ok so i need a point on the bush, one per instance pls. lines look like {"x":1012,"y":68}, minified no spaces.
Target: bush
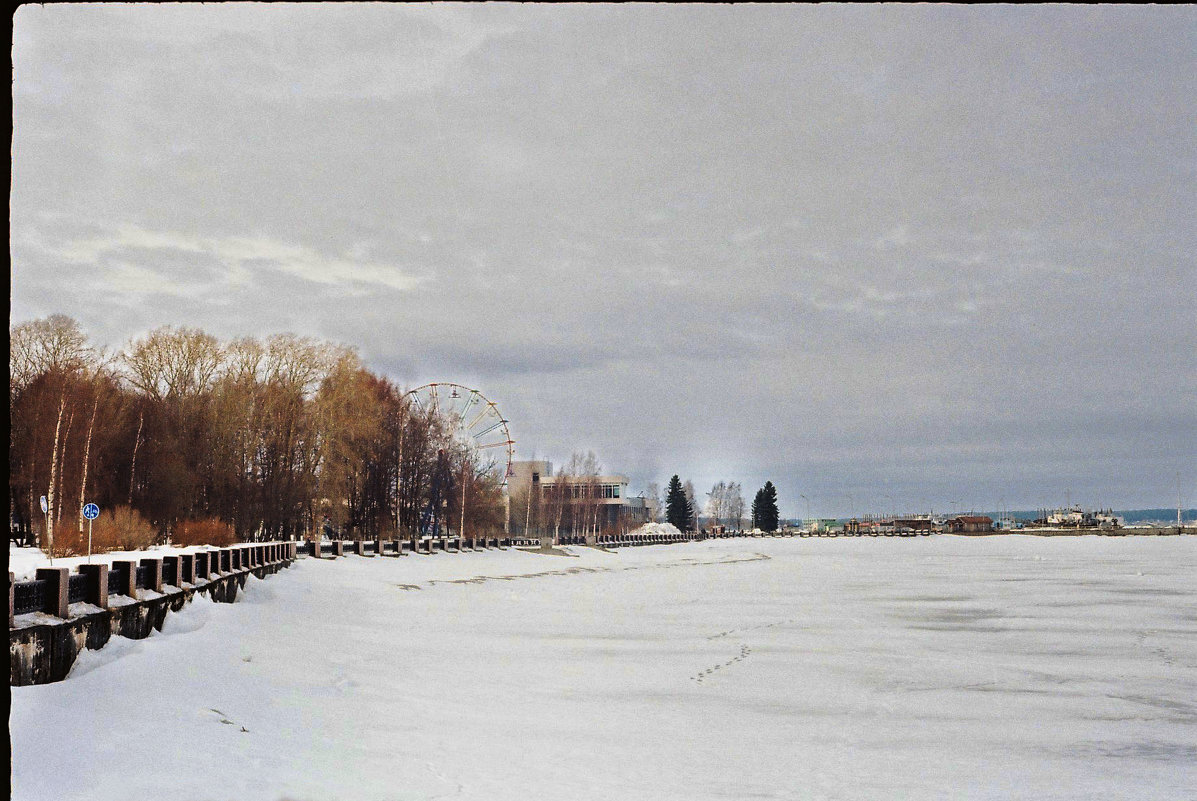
{"x":121,"y":529}
{"x":209,"y":531}
{"x":67,"y":540}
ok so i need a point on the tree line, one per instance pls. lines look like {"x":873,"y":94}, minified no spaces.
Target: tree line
{"x":269,"y":438}
{"x":724,"y":506}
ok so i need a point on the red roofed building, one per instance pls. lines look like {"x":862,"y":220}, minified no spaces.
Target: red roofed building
{"x":970,"y":524}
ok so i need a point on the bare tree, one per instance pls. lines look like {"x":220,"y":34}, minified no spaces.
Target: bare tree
{"x":53,"y":344}
{"x":735,"y":505}
{"x":50,"y":498}
{"x":653,"y":495}
{"x":717,"y":503}
{"x":172,"y":362}
{"x":86,"y":457}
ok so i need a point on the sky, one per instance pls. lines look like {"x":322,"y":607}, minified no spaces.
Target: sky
{"x":892,"y":258}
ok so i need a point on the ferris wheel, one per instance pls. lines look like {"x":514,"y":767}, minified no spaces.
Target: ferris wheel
{"x":474,"y":422}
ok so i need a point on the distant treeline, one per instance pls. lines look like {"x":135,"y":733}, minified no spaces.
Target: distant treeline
{"x":273,"y":438}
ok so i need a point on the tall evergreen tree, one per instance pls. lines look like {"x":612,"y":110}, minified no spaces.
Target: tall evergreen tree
{"x":677,"y":508}
{"x":769,"y":513}
{"x":765,"y":515}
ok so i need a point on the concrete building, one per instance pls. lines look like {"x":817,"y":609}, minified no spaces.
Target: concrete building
{"x":537,"y":493}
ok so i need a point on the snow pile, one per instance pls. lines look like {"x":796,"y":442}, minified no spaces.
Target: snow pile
{"x":861,"y":668}
{"x":657,"y":529}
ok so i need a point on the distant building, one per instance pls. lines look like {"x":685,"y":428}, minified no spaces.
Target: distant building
{"x":533,"y":482}
{"x":970,"y":524}
{"x":820,"y":524}
{"x":914,"y":524}
{"x":868,"y":526}
{"x":1076,"y":518}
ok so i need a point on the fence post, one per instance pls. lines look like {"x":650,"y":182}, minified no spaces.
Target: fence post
{"x":97,"y":584}
{"x":12,"y":600}
{"x":128,"y":577}
{"x":172,"y":573}
{"x":56,"y":579}
{"x":338,"y":548}
{"x":155,"y":566}
{"x":187,"y":564}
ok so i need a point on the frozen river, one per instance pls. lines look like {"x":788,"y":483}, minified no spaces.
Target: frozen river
{"x":928,"y":668}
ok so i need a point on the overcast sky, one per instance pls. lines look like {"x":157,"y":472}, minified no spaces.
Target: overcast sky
{"x":890,"y":257}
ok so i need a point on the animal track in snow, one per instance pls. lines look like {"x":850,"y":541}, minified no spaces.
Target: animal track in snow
{"x":744,"y":652}
{"x":750,"y":628}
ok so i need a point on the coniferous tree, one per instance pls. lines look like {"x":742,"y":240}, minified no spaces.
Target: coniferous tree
{"x":765,"y":515}
{"x":677,"y":508}
{"x":769,"y":513}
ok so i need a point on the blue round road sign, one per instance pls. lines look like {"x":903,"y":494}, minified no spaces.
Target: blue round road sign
{"x":91,"y":511}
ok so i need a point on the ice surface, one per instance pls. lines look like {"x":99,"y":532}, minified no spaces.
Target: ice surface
{"x":915,"y":668}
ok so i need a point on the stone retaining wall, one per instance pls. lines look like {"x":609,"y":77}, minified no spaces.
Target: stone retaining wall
{"x":43,"y":644}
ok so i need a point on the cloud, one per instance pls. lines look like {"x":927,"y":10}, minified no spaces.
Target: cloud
{"x":762,"y":237}
{"x":132,"y":261}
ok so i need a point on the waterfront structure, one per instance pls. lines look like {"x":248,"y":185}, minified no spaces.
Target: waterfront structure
{"x":604,"y":498}
{"x":919,"y":523}
{"x":1075,"y":517}
{"x":970,"y":524}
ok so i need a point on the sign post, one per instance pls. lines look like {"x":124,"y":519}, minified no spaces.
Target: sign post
{"x":49,"y":534}
{"x":91,"y":512}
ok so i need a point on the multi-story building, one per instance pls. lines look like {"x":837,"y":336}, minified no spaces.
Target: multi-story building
{"x":558,"y":501}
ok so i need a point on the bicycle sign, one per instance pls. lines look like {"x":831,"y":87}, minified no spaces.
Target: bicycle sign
{"x":91,"y":512}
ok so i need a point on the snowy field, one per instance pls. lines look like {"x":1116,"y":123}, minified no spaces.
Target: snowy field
{"x":928,"y":668}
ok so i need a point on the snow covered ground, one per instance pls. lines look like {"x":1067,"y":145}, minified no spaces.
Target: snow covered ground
{"x":927,"y":668}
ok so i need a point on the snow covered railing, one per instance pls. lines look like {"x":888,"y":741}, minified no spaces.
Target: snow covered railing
{"x":655,"y":534}
{"x":57,"y":614}
{"x":402,"y":547}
